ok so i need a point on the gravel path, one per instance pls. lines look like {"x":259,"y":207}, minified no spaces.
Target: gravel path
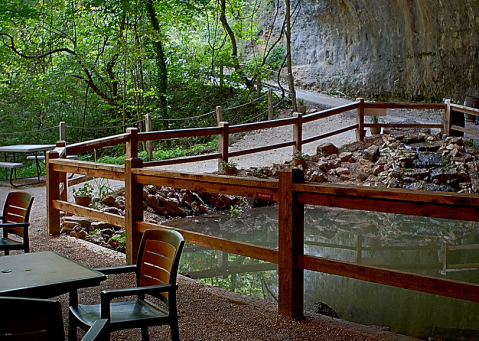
{"x":207,"y":313}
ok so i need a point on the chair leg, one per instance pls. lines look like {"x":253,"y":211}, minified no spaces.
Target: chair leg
{"x":175,"y":333}
{"x":72,"y":327}
{"x":144,"y":334}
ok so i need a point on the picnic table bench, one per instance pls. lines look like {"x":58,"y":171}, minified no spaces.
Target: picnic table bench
{"x":12,"y":166}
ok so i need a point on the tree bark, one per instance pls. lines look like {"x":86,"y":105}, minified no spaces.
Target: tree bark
{"x":288,"y":47}
{"x":162,"y":77}
{"x":234,"y":47}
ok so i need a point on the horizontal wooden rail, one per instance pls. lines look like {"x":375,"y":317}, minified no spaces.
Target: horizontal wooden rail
{"x":261,"y":149}
{"x":109,"y":218}
{"x":261,"y":125}
{"x":330,"y":112}
{"x":259,"y":189}
{"x":98,"y":170}
{"x":178,"y":133}
{"x":217,"y":243}
{"x":398,"y":279}
{"x":409,"y":202}
{"x":464,"y":109}
{"x":404,"y":125}
{"x":186,"y":159}
{"x":464,"y":130}
{"x":323,"y":136}
{"x":103,"y":142}
{"x":399,"y":194}
{"x":392,"y":105}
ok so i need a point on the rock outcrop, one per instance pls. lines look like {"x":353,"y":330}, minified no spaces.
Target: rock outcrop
{"x":415,"y":50}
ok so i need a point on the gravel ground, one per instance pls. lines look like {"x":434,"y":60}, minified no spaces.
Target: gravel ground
{"x":207,"y":313}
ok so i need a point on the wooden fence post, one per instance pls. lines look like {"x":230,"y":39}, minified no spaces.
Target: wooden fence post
{"x":447,"y":118}
{"x":298,"y":131}
{"x":133,"y":209}
{"x":291,"y":245}
{"x":132,"y":144}
{"x":62,"y":176}
{"x":62,"y":132}
{"x":149,"y":145}
{"x":223,"y":141}
{"x":270,"y":105}
{"x":53,"y":193}
{"x":219,"y":115}
{"x":360,"y":133}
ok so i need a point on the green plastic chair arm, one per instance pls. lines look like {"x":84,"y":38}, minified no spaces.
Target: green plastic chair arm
{"x":117,"y":269}
{"x":98,"y":332}
{"x":108,"y":295}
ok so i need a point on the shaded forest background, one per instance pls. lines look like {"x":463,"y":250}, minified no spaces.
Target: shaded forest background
{"x":100,"y":66}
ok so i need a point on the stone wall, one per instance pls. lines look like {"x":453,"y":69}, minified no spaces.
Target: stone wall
{"x":414,"y":50}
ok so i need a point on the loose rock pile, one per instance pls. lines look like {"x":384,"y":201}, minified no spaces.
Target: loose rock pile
{"x":416,"y":160}
{"x":160,"y":204}
{"x":394,"y":160}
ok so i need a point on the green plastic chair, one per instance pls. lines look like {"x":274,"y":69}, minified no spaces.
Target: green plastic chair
{"x":156,"y":271}
{"x":30,"y":319}
{"x":16,"y":221}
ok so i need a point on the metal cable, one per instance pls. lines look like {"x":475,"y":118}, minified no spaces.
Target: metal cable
{"x":111,"y":127}
{"x":28,"y":132}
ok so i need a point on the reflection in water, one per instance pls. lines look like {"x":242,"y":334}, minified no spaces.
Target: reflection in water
{"x":432,"y":247}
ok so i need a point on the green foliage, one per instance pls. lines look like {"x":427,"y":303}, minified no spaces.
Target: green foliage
{"x":228,"y":165}
{"x":300,"y":155}
{"x":120,"y":239}
{"x":97,"y":67}
{"x":374,"y":120}
{"x":276,"y":58}
{"x":103,"y":186}
{"x":471,"y":143}
{"x":85,"y":190}
{"x":235,"y":210}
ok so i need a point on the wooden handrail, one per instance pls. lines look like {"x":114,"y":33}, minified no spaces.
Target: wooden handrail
{"x":422,"y":283}
{"x":243,"y":249}
{"x":261,"y":149}
{"x":392,"y":105}
{"x":466,"y":110}
{"x":103,"y":142}
{"x":186,"y":159}
{"x":178,"y":133}
{"x":241,"y":128}
{"x":330,"y":112}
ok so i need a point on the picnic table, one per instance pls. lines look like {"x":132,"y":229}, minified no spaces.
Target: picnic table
{"x":11,"y":162}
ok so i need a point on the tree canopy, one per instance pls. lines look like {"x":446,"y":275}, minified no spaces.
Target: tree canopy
{"x":100,"y":66}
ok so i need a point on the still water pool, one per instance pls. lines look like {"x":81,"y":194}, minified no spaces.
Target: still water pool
{"x":433,"y":247}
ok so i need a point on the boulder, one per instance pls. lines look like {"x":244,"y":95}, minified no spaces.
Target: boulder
{"x":327,"y":149}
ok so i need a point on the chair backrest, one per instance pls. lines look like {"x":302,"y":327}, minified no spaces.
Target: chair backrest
{"x":30,"y":319}
{"x":17,"y":210}
{"x":159,"y":257}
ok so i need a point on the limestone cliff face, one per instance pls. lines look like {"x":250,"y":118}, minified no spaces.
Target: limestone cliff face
{"x":411,"y":49}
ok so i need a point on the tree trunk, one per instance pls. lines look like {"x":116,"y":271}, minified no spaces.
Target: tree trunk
{"x":288,"y":47}
{"x":162,"y":76}
{"x":234,"y":47}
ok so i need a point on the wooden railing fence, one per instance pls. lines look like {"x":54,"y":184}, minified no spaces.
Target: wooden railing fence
{"x":291,"y":192}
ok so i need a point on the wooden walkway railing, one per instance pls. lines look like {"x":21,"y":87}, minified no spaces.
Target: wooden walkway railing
{"x":290,"y":191}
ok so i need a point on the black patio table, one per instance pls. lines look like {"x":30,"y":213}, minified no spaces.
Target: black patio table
{"x":45,"y":274}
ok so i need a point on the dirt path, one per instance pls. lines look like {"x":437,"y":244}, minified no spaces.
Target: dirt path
{"x":266,"y":137}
